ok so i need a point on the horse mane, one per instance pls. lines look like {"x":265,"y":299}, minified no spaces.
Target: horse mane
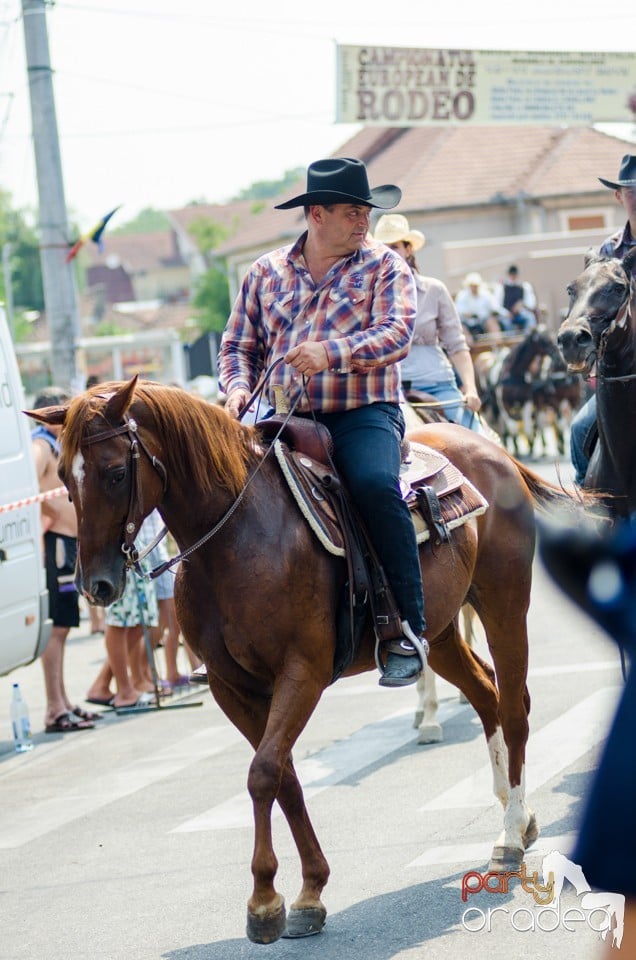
{"x":198,"y":442}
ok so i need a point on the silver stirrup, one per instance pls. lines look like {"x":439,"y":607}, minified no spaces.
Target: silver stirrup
{"x":421,"y":645}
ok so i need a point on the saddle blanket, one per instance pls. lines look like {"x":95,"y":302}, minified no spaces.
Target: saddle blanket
{"x":459,"y":499}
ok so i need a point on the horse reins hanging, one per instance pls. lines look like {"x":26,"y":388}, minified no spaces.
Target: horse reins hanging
{"x":135,"y":515}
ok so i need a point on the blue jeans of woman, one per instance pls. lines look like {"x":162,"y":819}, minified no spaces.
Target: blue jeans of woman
{"x":366,"y":443}
{"x":448,"y":393}
{"x":580,"y":427}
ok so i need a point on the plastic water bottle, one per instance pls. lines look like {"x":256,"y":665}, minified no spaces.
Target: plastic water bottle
{"x":20,"y":722}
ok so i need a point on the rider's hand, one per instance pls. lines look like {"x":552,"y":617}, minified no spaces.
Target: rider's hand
{"x":235,"y":402}
{"x":473,"y":401}
{"x":308,"y":357}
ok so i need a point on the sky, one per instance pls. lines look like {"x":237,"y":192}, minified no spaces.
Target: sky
{"x":163,"y":103}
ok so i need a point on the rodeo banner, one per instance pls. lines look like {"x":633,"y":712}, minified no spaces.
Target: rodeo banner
{"x":404,"y":86}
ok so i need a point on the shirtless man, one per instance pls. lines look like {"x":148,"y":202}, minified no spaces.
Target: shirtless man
{"x":59,"y":524}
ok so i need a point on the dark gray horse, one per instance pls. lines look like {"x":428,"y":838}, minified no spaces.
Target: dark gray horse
{"x":599,"y":334}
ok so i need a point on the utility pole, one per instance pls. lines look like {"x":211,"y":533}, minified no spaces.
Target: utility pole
{"x":60,"y":293}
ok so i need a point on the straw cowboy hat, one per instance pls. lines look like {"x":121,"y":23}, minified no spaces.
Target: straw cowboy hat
{"x":394,"y":227}
{"x":342,"y":180}
{"x":626,"y":174}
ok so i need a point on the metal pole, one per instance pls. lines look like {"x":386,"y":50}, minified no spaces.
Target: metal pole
{"x":60,"y":294}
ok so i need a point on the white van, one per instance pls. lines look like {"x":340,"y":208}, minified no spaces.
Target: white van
{"x":25,"y":626}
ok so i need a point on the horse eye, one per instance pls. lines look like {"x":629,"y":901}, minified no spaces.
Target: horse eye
{"x":569,"y":290}
{"x":117,"y":476}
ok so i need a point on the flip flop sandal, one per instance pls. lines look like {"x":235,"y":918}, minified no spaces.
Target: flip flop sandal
{"x":86,"y":714}
{"x":100,"y":701}
{"x":68,"y":723}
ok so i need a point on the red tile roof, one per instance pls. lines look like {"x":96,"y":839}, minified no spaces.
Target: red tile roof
{"x":137,"y":251}
{"x":458,"y":167}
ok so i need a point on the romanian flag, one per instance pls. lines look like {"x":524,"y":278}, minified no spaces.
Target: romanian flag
{"x":95,"y":235}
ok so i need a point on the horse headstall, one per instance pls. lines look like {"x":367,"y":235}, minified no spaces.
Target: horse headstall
{"x":135,"y":515}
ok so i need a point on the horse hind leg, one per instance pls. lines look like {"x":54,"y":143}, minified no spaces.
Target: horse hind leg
{"x":425,"y":720}
{"x":508,"y":643}
{"x":505,"y":737}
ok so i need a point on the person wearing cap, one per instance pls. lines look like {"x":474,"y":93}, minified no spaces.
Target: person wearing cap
{"x":477,"y":308}
{"x":439,"y":342}
{"x":617,"y":245}
{"x":340,"y":309}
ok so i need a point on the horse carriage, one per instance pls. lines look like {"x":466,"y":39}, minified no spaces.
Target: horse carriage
{"x":528,"y":395}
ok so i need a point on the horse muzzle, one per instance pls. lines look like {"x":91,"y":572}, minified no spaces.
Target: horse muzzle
{"x":576,"y":343}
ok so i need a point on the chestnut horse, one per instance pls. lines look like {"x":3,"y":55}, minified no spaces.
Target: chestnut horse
{"x":600,"y":331}
{"x":258,"y":595}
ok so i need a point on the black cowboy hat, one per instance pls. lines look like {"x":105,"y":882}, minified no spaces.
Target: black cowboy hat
{"x":626,"y":174}
{"x":342,"y":180}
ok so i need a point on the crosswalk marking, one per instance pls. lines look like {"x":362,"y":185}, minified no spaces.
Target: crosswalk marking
{"x":473,"y":854}
{"x":34,"y":820}
{"x":550,"y":750}
{"x":324,"y":769}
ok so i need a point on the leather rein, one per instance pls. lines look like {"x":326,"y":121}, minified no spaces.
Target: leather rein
{"x":136,"y":514}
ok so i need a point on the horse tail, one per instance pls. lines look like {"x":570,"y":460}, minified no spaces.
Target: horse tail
{"x":546,"y":494}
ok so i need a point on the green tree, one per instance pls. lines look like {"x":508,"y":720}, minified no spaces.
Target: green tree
{"x":147,"y":220}
{"x":20,"y":238}
{"x":212,"y":298}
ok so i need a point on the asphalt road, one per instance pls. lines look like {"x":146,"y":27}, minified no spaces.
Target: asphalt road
{"x":133,"y":841}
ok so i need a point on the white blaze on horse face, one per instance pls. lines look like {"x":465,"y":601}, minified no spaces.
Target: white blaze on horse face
{"x":77,"y":469}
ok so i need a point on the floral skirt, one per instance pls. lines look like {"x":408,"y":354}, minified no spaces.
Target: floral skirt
{"x":137,"y":605}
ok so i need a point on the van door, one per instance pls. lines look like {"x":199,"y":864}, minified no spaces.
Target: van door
{"x":24,"y":623}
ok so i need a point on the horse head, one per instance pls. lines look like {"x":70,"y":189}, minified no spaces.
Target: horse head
{"x":106,"y":476}
{"x":599,"y":305}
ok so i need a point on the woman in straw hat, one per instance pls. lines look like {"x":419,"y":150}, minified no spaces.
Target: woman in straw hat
{"x":439,"y":342}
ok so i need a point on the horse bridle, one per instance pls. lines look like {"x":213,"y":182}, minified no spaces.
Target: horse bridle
{"x":135,"y":515}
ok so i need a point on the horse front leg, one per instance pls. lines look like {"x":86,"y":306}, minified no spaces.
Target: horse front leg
{"x":272,"y":776}
{"x":272,"y":726}
{"x":307,"y":913}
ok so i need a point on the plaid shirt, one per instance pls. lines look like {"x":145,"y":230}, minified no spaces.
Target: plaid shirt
{"x":363,"y":310}
{"x":619,"y":244}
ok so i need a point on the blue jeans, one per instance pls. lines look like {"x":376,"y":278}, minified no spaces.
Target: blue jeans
{"x":367,"y":454}
{"x":580,"y":427}
{"x":447,"y":391}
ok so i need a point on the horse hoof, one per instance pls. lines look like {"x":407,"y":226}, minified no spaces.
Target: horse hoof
{"x":531,"y":833}
{"x":268,"y":924}
{"x":417,"y":719}
{"x":305,"y":922}
{"x":505,"y":859}
{"x":431,"y":733}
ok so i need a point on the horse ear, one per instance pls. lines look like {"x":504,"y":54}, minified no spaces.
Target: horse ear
{"x":54,"y":416}
{"x":120,"y":401}
{"x":590,"y":256}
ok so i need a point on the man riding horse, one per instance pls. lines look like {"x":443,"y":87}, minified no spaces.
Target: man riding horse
{"x":339,"y":308}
